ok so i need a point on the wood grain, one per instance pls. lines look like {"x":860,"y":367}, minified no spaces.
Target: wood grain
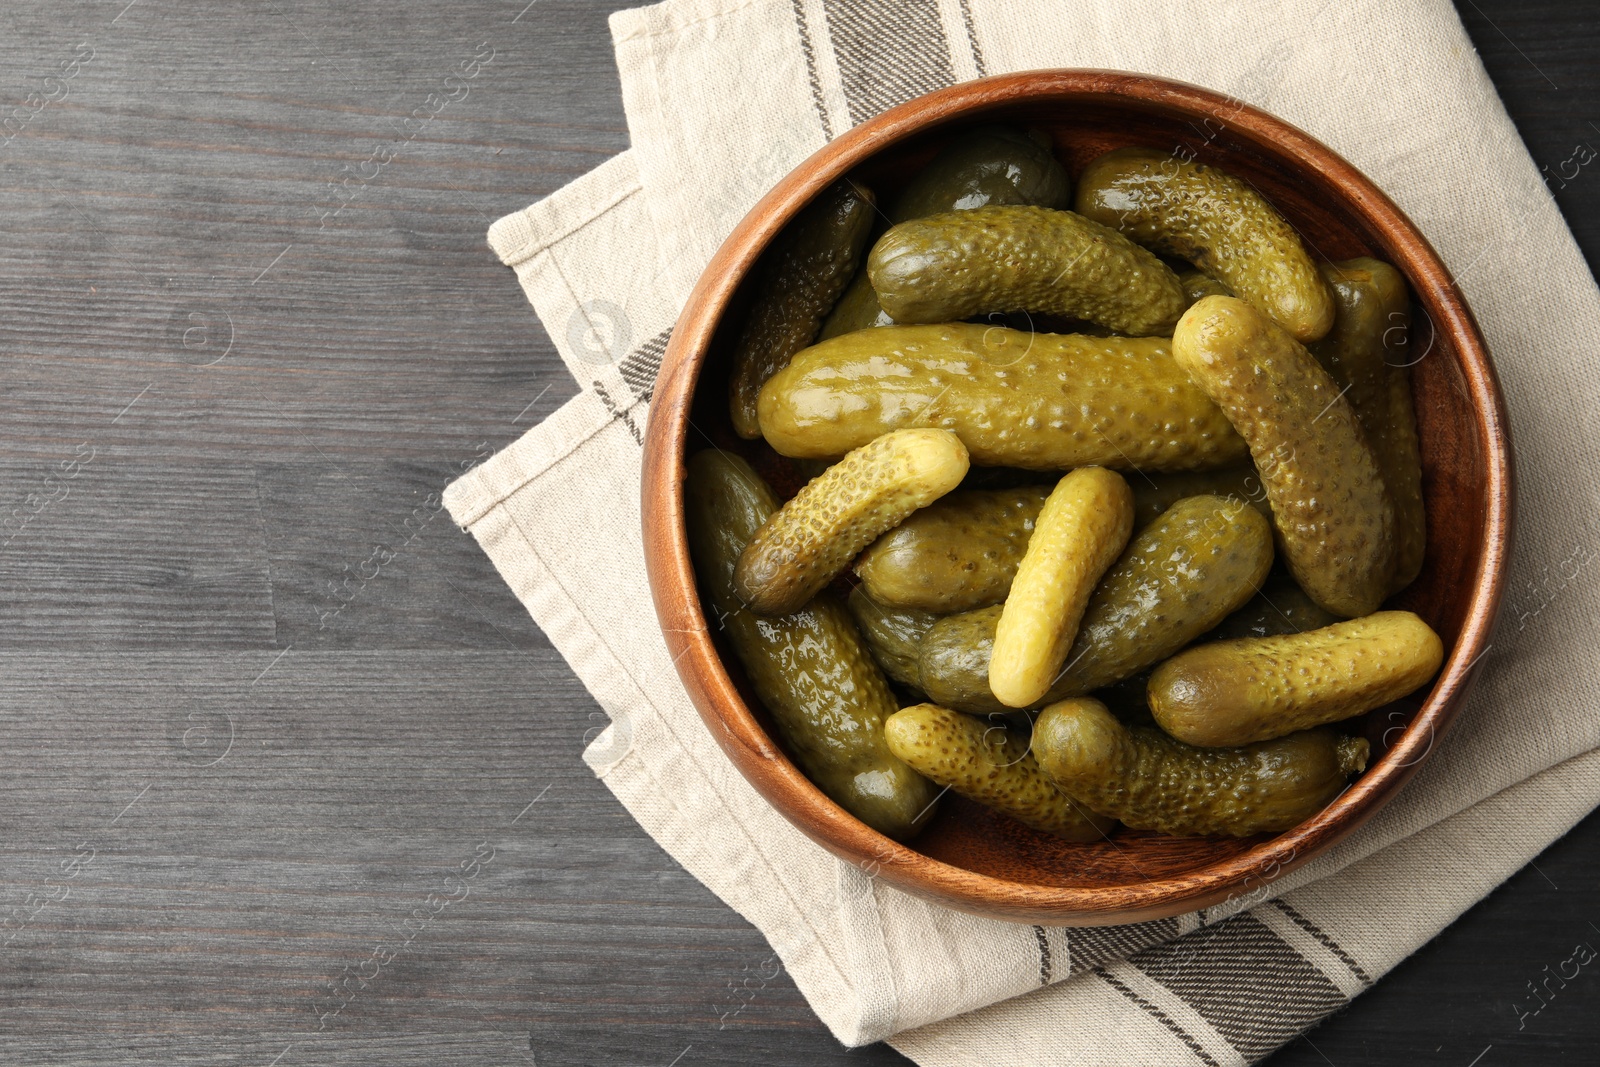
{"x":138,"y":218}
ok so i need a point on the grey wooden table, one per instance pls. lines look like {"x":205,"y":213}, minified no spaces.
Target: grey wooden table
{"x":270,"y":720}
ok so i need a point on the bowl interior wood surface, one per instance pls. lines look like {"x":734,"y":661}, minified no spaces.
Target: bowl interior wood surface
{"x":970,"y":857}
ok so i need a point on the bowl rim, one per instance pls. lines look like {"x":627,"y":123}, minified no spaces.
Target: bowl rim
{"x":760,"y":760}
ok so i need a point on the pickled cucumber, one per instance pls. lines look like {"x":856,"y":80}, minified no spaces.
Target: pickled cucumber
{"x":892,"y":634}
{"x":1153,"y":782}
{"x":959,"y":264}
{"x":1082,"y":529}
{"x":813,"y":537}
{"x":991,"y":764}
{"x":1281,"y":607}
{"x":1179,"y":577}
{"x":1155,"y":493}
{"x":1197,"y":285}
{"x":1215,"y":221}
{"x":986,"y":167}
{"x":801,"y":276}
{"x":1039,"y":401}
{"x":956,"y":554}
{"x":857,"y":309}
{"x":1365,"y":354}
{"x":1253,"y":689}
{"x":811,"y":670}
{"x":1334,"y":520}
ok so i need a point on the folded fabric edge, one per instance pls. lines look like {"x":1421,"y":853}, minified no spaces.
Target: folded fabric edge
{"x":523,"y":234}
{"x":1377,"y":886}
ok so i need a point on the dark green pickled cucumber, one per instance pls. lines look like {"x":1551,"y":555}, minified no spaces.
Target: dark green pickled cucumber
{"x":893,"y":634}
{"x":1152,"y":782}
{"x":1366,"y":354}
{"x":1018,"y":258}
{"x":1197,"y":285}
{"x":1334,"y":521}
{"x":857,"y":309}
{"x":1154,"y":493}
{"x":811,"y":669}
{"x":801,"y":277}
{"x":1253,"y":689}
{"x":990,"y":166}
{"x":1040,"y":401}
{"x":956,"y":554}
{"x":989,"y":763}
{"x":1215,"y":221}
{"x":1178,"y":578}
{"x":1281,"y":607}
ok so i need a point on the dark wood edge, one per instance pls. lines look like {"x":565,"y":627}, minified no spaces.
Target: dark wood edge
{"x":764,"y":764}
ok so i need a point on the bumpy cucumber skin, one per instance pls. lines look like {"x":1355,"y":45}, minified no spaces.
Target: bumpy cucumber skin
{"x":1043,"y":401}
{"x":1082,"y":529}
{"x":1254,"y":689}
{"x":1179,"y":577}
{"x":1197,"y":285}
{"x":1281,"y":607}
{"x":958,"y":553}
{"x":988,"y":763}
{"x":1151,"y":782}
{"x":1366,"y":354}
{"x":1215,"y":221}
{"x":892,"y":633}
{"x":802,"y":275}
{"x":990,"y":166}
{"x":811,"y":670}
{"x":1334,"y":520}
{"x":1153,"y":494}
{"x":857,"y":309}
{"x":813,"y":537}
{"x":1018,"y":258}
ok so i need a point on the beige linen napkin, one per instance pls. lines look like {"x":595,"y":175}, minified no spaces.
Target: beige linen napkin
{"x":723,"y":98}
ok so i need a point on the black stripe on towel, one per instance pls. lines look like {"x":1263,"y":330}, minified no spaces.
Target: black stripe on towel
{"x":888,"y":51}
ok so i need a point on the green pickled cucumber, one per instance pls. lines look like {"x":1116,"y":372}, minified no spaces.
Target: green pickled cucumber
{"x":811,"y":670}
{"x":801,"y":277}
{"x":1179,"y":577}
{"x":857,"y":309}
{"x":1197,"y":285}
{"x":1081,"y":530}
{"x":812,"y":538}
{"x":1155,"y":493}
{"x":1215,"y":221}
{"x":1254,"y":689}
{"x":1018,"y":258}
{"x":990,"y":764}
{"x":1281,"y":607}
{"x":956,"y":554}
{"x":893,"y":634}
{"x":1334,"y":520}
{"x":1039,"y":401}
{"x":989,"y":166}
{"x":1365,"y":354}
{"x":1152,"y":782}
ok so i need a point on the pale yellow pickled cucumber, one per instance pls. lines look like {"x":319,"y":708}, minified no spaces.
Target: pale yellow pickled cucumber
{"x":1332,"y":513}
{"x":989,"y":763}
{"x":1257,"y":688}
{"x":814,"y":536}
{"x":1080,"y":532}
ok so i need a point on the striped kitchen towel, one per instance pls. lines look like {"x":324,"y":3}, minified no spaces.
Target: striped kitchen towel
{"x":724,"y":97}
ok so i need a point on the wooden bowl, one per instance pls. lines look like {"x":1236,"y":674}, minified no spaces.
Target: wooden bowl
{"x":972,"y":858}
